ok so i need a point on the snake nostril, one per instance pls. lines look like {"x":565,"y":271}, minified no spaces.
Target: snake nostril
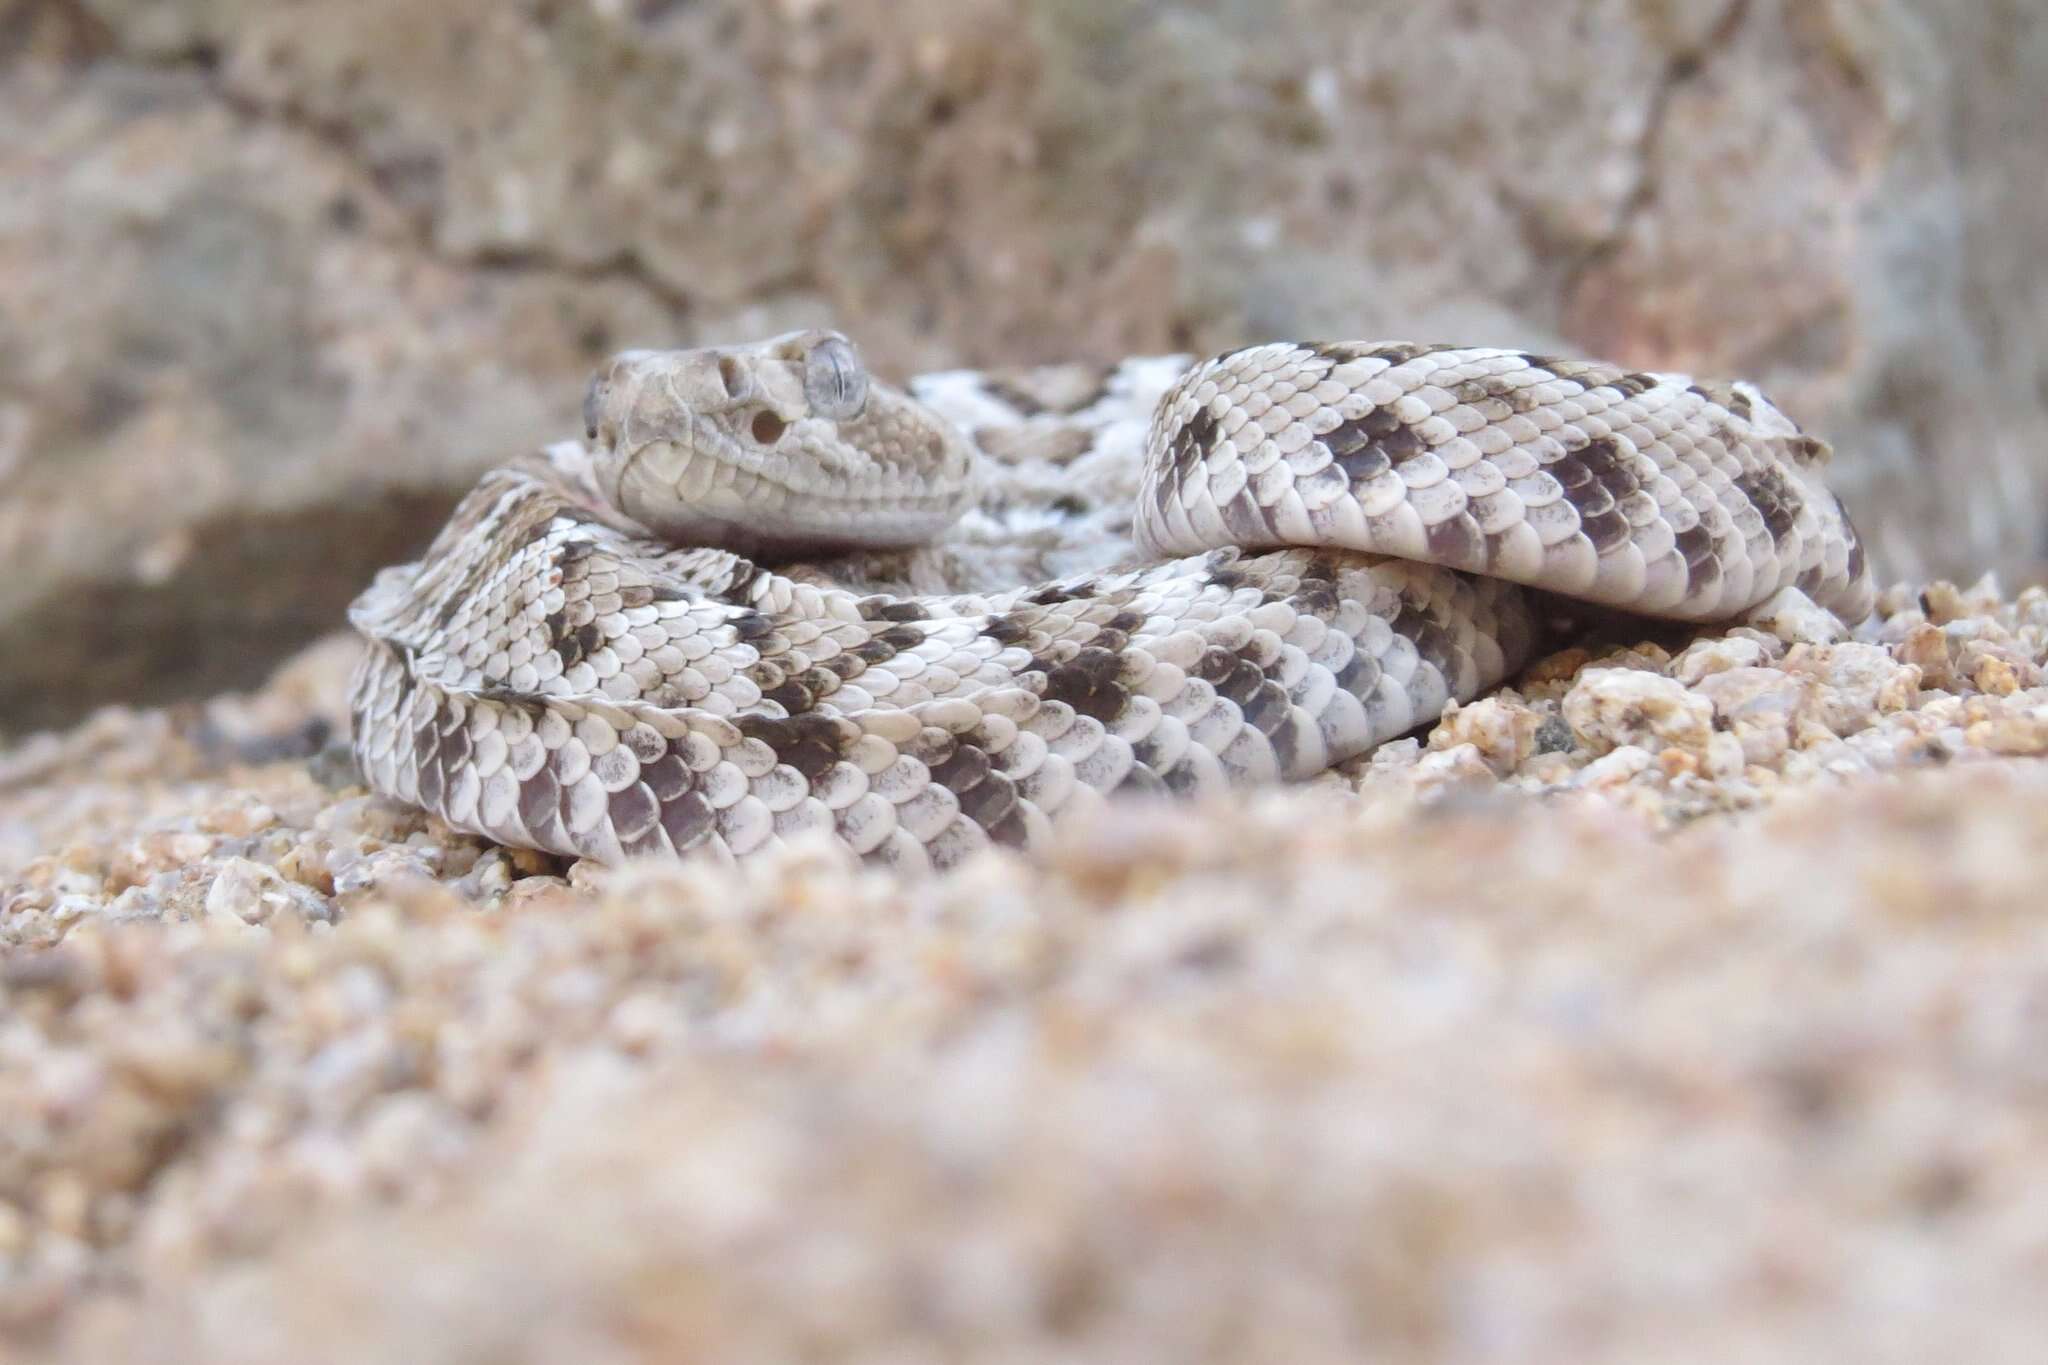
{"x":767,"y":427}
{"x":729,"y":375}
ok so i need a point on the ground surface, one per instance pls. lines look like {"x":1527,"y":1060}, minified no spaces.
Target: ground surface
{"x":1687,"y":1001}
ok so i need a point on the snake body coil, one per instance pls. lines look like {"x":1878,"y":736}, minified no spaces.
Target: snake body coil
{"x":594,"y":658}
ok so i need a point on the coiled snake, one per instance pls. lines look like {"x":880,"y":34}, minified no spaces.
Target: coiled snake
{"x":596,"y":656}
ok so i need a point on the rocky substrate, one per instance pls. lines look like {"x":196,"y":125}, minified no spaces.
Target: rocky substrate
{"x":1686,"y":1000}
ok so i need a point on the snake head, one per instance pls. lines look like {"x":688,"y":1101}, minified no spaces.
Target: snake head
{"x":788,"y":446}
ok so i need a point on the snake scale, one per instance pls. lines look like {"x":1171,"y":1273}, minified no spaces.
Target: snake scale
{"x":611,"y":650}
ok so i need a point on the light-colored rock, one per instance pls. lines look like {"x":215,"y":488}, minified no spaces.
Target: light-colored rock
{"x":1760,"y":707}
{"x":1718,"y":654}
{"x":1500,"y":732}
{"x":1612,"y":707}
{"x":1796,"y":619}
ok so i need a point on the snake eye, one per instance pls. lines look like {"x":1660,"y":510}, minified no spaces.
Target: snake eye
{"x":835,"y":383}
{"x":767,"y":427}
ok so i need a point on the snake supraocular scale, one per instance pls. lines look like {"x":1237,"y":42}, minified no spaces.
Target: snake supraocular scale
{"x":595,"y":657}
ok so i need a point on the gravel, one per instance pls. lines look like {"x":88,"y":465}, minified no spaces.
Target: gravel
{"x":1686,"y":1000}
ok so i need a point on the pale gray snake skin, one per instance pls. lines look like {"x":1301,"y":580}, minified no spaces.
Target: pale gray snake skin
{"x":599,"y":655}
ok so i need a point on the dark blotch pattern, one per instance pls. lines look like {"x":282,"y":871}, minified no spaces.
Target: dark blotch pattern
{"x":634,"y":816}
{"x":751,"y":625}
{"x":810,"y":743}
{"x":1435,"y":644}
{"x":1393,"y":352}
{"x":795,"y":690}
{"x":891,"y":609}
{"x":1052,"y":594}
{"x":1008,"y":628}
{"x":1591,"y":374}
{"x":1192,"y":443}
{"x":1368,"y":446}
{"x":1856,"y":561}
{"x":1145,"y":753}
{"x":790,"y":695}
{"x":688,"y":820}
{"x":992,"y":803}
{"x":1025,"y":404}
{"x":1401,"y":352}
{"x":879,"y":648}
{"x":1496,"y":397}
{"x":1029,"y":404}
{"x":1702,"y":565}
{"x":1596,"y":477}
{"x":1316,"y":593}
{"x":451,"y":607}
{"x":540,"y":809}
{"x":962,"y":765}
{"x":1224,"y":573}
{"x":1607,"y":530}
{"x":1774,"y":498}
{"x":1235,"y":678}
{"x":1089,"y":682}
{"x":667,"y":777}
{"x":747,"y":580}
{"x":1696,"y":544}
{"x":533,"y":704}
{"x":1263,"y":703}
{"x":1358,"y":674}
{"x":1118,"y":628}
{"x":1603,"y":462}
{"x":1458,"y":542}
{"x":1630,"y":385}
{"x":426,"y":749}
{"x":900,"y":638}
{"x":560,"y":638}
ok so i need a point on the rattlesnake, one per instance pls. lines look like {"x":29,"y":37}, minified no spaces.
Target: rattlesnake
{"x":597,"y":656}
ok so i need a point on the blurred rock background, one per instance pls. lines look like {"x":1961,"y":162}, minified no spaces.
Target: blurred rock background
{"x":277,"y":281}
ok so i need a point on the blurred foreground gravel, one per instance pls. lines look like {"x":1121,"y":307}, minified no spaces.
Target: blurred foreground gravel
{"x":1688,"y":1002}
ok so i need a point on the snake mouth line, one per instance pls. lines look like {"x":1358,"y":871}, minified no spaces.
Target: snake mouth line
{"x":710,"y":441}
